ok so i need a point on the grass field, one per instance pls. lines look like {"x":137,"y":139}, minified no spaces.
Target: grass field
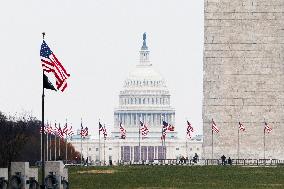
{"x":155,"y":177}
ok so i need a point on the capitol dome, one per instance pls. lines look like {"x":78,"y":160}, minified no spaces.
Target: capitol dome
{"x":144,"y":97}
{"x":144,"y":76}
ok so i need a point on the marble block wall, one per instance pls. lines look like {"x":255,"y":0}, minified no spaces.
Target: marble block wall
{"x":243,"y":77}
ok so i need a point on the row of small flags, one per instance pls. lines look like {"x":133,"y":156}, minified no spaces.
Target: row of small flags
{"x":85,"y":131}
{"x":165,"y":127}
{"x":58,"y":131}
{"x":65,"y":131}
{"x":215,"y":129}
{"x":144,"y":129}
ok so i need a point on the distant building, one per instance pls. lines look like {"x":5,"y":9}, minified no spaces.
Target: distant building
{"x":145,"y":98}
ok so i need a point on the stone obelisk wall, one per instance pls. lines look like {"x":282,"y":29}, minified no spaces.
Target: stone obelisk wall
{"x":244,"y":77}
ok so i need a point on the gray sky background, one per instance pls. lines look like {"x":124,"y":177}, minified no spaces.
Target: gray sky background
{"x":98,"y":42}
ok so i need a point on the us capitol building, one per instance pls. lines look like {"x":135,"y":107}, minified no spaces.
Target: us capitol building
{"x":144,"y":97}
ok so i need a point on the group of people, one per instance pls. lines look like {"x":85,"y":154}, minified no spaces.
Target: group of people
{"x":224,"y":161}
{"x":183,"y":160}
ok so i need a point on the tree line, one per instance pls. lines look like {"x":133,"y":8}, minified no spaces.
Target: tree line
{"x":20,"y":140}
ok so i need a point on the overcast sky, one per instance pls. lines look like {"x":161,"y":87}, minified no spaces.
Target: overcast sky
{"x":98,"y":42}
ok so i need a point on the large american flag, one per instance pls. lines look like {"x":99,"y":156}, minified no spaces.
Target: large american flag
{"x":241,"y":127}
{"x":144,"y":129}
{"x":267,"y":128}
{"x":189,"y":129}
{"x":50,"y":63}
{"x":122,"y":131}
{"x":214,"y":127}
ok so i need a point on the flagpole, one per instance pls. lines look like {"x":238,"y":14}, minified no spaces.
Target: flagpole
{"x":238,"y":152}
{"x":47,"y":144}
{"x":186,"y":146}
{"x":104,"y":147}
{"x":164,"y":149}
{"x":238,"y":143}
{"x":264,"y":140}
{"x":139,"y":140}
{"x":42,"y":133}
{"x":41,"y":147}
{"x":186,"y":137}
{"x":118,"y":152}
{"x":81,"y":150}
{"x":55,"y":136}
{"x":66,"y":143}
{"x":104,"y":151}
{"x":165,"y":145}
{"x":212,"y":142}
{"x":87,"y":152}
{"x":50,"y":148}
{"x":66,"y":150}
{"x":59,"y":146}
{"x":99,"y":144}
{"x":162,"y":137}
{"x":99,"y":148}
{"x":81,"y":140}
{"x":50,"y":143}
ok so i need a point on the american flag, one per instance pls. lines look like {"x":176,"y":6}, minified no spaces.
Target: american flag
{"x":59,"y":131}
{"x":122,"y":131}
{"x":189,"y":129}
{"x":214,"y":127}
{"x":144,"y":129}
{"x":241,"y":127}
{"x":70,"y":132}
{"x":50,"y":63}
{"x":44,"y":130}
{"x":171,"y":128}
{"x":267,"y":128}
{"x":54,"y":130}
{"x":101,"y":128}
{"x":164,"y":130}
{"x":84,"y":132}
{"x":49,"y":129}
{"x":65,"y":130}
{"x":105,"y":132}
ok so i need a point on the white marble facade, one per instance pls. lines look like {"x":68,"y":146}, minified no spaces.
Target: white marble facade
{"x":126,"y":150}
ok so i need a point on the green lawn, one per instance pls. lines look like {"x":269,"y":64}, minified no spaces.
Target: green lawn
{"x":218,"y":177}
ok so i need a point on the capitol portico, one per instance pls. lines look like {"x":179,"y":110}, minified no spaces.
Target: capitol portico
{"x":144,"y":97}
